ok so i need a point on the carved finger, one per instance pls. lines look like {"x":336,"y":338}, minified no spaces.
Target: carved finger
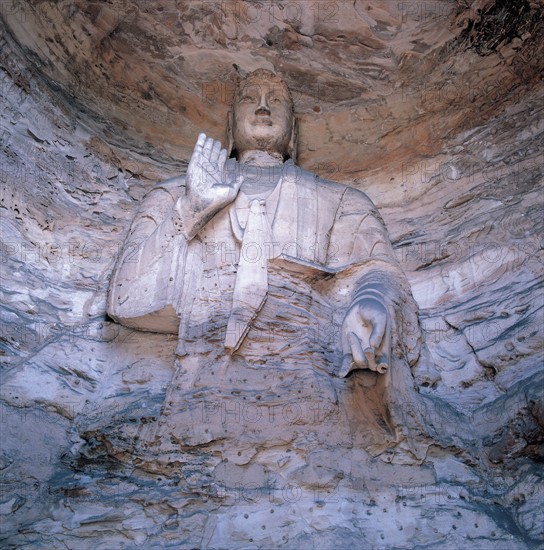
{"x":200,"y":141}
{"x":347,"y":362}
{"x":207,"y":148}
{"x":197,"y":152}
{"x":222,"y":159}
{"x":350,"y":322}
{"x":382,"y":366}
{"x":383,"y":361}
{"x":197,"y":159}
{"x":216,"y":149}
{"x":356,"y":350}
{"x":370,"y":359}
{"x":378,"y":330}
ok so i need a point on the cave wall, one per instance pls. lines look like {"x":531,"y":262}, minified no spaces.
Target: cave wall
{"x":434,"y":109}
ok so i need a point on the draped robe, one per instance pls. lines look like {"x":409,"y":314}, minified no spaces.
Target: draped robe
{"x":329,"y":249}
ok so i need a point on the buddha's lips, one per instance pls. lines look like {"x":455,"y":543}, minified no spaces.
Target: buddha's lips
{"x":263,"y":120}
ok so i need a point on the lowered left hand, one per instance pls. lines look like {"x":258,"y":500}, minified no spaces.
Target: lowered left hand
{"x":365,"y":337}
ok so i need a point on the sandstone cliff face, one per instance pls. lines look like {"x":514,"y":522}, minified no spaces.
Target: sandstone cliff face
{"x":432,"y":108}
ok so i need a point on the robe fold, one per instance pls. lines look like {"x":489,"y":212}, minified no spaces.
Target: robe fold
{"x":329,"y":248}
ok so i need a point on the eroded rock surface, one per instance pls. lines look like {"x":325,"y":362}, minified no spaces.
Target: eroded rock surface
{"x":435,"y":111}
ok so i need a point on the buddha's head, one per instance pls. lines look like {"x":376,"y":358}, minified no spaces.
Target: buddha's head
{"x":262,"y":118}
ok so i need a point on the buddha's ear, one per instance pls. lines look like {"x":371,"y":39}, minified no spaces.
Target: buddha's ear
{"x":230,"y":139}
{"x":293,"y":143}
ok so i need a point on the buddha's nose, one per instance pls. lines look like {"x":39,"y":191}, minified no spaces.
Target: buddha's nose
{"x":263,"y":109}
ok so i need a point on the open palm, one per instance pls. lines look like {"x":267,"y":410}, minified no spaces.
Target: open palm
{"x":207,"y":188}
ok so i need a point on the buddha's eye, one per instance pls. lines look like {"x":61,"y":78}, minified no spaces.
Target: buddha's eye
{"x":247,"y":99}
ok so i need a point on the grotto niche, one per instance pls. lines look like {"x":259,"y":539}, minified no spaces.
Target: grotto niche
{"x":297,"y":428}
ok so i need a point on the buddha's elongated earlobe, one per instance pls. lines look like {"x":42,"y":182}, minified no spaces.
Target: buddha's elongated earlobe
{"x":230,"y":138}
{"x":293,"y":143}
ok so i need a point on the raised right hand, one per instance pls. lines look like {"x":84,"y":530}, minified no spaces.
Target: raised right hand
{"x":207,"y":189}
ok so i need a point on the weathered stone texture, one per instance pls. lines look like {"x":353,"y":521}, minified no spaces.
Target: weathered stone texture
{"x":436,"y":113}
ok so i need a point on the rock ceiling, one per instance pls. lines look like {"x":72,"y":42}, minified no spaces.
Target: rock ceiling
{"x":376,"y":83}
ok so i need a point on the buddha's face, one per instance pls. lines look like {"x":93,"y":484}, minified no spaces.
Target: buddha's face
{"x":263,"y":116}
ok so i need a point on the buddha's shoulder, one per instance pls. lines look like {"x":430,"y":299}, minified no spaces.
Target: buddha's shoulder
{"x":332,"y":188}
{"x":169,"y":188}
